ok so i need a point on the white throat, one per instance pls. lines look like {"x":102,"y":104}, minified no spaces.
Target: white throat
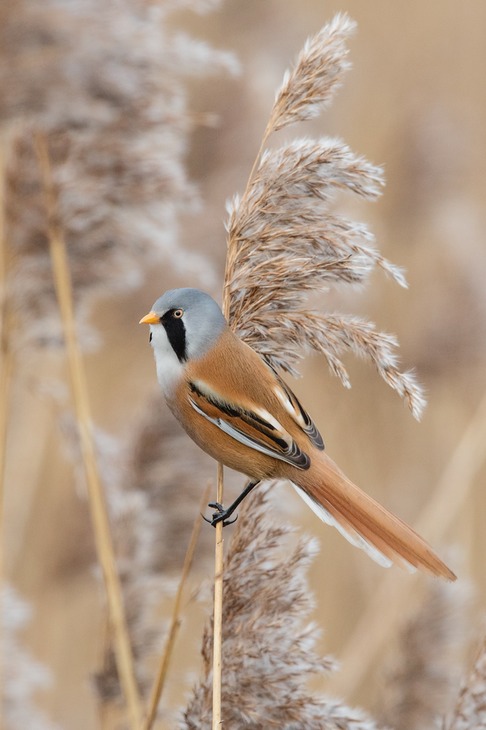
{"x":169,"y":368}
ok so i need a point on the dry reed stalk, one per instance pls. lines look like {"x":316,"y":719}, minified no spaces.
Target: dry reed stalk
{"x":6,"y":366}
{"x":175,"y":620}
{"x":218,"y":585}
{"x":6,"y":354}
{"x":218,"y":611}
{"x":99,"y":513}
{"x":6,"y":371}
{"x":376,"y":625}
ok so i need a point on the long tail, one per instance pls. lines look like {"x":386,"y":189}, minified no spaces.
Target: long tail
{"x":363,"y":521}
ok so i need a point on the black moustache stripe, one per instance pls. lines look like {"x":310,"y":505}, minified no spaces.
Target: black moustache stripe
{"x":176,"y":334}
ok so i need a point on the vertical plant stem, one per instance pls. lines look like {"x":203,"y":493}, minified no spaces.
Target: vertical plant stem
{"x":219,"y":545}
{"x":5,"y":349}
{"x":175,"y":620}
{"x":6,"y":355}
{"x":218,"y":611}
{"x":99,"y":511}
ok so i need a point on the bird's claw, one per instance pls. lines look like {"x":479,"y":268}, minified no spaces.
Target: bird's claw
{"x":216,"y":505}
{"x":219,"y":516}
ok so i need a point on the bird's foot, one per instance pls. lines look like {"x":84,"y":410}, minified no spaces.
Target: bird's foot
{"x":220,"y":515}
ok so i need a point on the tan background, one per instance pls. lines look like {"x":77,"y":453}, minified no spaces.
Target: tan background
{"x":415,"y":102}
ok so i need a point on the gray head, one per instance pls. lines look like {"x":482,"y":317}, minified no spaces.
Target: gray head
{"x":191,"y":319}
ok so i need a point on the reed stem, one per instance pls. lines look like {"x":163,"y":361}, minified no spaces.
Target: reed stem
{"x":6,"y":364}
{"x":97,"y":502}
{"x":218,"y":611}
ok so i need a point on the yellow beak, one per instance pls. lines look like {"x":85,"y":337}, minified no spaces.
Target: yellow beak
{"x":150,"y":318}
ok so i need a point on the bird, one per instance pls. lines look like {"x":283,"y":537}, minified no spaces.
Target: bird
{"x":240,"y":411}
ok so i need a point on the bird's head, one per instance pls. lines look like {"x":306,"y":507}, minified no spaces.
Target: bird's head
{"x":186,"y":321}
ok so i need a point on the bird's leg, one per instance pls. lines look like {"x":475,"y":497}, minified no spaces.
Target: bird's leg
{"x":222,"y":514}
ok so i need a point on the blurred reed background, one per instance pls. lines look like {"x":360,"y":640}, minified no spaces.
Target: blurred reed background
{"x":150,"y":133}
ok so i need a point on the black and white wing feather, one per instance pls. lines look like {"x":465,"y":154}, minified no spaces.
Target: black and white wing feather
{"x":251,"y":426}
{"x":293,"y":407}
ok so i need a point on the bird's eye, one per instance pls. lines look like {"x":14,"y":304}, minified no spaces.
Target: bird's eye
{"x":178,"y":313}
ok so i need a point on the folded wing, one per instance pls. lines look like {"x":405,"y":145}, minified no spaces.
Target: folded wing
{"x":250,"y":425}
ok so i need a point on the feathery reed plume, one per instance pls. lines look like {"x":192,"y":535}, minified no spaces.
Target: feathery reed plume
{"x":470,"y":710}
{"x":421,"y":678}
{"x":106,"y":84}
{"x":316,"y":75}
{"x":268,"y":641}
{"x":284,"y":241}
{"x":21,"y":674}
